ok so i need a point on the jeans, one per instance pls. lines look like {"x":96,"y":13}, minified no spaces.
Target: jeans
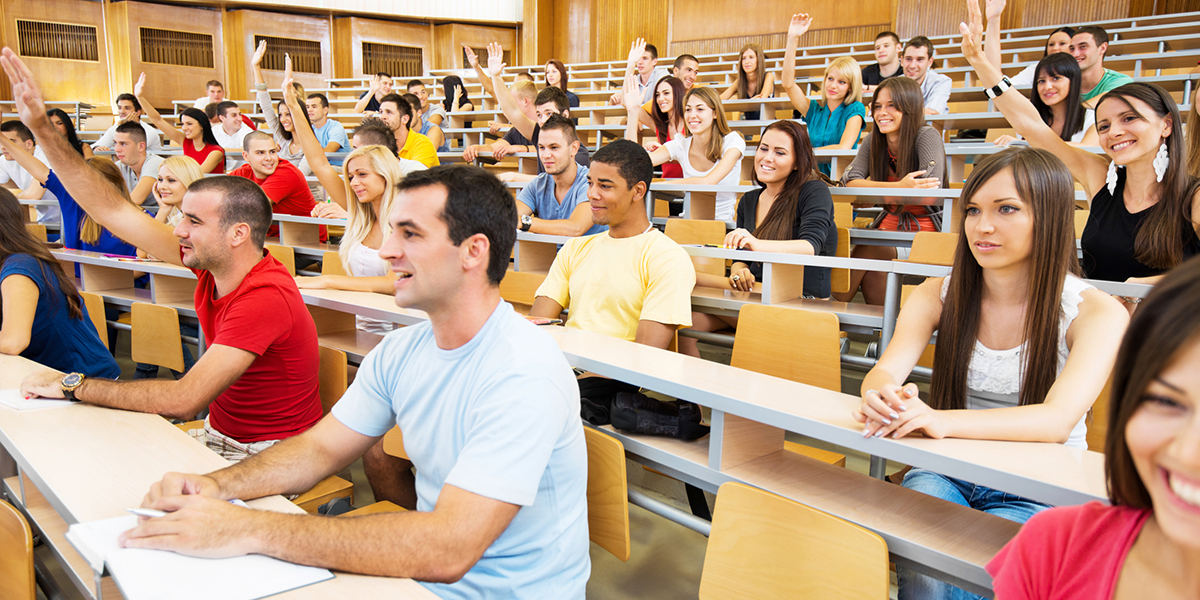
{"x":917,"y":586}
{"x":149,"y":371}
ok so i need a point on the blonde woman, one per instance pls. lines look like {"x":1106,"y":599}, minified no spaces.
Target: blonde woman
{"x":836,"y":120}
{"x":174,"y":177}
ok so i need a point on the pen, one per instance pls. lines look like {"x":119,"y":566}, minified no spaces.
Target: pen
{"x":147,"y":512}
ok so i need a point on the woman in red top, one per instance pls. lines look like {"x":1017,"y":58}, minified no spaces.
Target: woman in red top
{"x":196,"y":139}
{"x":1147,"y":544}
{"x":667,"y":115}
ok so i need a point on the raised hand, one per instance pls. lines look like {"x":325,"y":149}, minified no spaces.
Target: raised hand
{"x":376,"y":83}
{"x":28,"y":96}
{"x":259,"y":53}
{"x":472,"y":58}
{"x":972,"y":32}
{"x":139,"y":86}
{"x":495,"y":64}
{"x":993,"y":9}
{"x":799,"y":25}
{"x":630,"y":97}
{"x":636,"y":49}
{"x":289,"y":90}
{"x":287,"y":68}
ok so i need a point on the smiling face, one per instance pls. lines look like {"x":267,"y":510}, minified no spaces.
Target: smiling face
{"x":1059,"y":42}
{"x":285,"y":117}
{"x":775,"y":158}
{"x":1163,"y":436}
{"x":1086,"y":52}
{"x":263,"y":157}
{"x":552,"y":74}
{"x":1052,"y":88}
{"x":886,"y":50}
{"x":204,"y":244}
{"x":428,"y":265}
{"x":1125,"y":134}
{"x":884,"y":111}
{"x":367,"y":185}
{"x":687,"y":73}
{"x":191,"y":128}
{"x":126,"y":111}
{"x":749,"y":61}
{"x":611,"y":198}
{"x":697,"y":115}
{"x":169,"y":188}
{"x":916,"y":62}
{"x":836,"y":86}
{"x":998,"y":224}
{"x":421,"y":93}
{"x":664,"y":97}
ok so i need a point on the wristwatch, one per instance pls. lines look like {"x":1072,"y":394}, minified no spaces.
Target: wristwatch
{"x":526,"y":222}
{"x":999,"y":88}
{"x":70,"y":383}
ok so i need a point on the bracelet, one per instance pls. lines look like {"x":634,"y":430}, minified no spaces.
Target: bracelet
{"x":262,"y":87}
{"x":999,"y":88}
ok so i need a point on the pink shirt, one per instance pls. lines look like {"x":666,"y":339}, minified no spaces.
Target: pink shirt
{"x":1067,"y":552}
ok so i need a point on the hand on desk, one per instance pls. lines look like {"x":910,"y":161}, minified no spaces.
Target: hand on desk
{"x":196,"y":525}
{"x":896,"y":411}
{"x":328,"y":210}
{"x":310,"y":283}
{"x":43,"y":384}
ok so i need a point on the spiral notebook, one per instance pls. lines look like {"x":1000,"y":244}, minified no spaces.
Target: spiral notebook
{"x":155,"y":574}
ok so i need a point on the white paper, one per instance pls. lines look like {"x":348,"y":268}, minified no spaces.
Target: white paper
{"x":154,"y":574}
{"x":14,"y":400}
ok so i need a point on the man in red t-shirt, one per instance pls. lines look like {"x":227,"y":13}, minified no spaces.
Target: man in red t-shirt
{"x":283,"y":183}
{"x":258,"y":376}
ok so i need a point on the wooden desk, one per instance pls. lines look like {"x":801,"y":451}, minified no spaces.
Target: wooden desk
{"x":91,"y":463}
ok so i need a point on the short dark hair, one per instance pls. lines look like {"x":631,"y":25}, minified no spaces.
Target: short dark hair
{"x":563,"y":124}
{"x":652,"y":50}
{"x":476,"y":202}
{"x":375,"y":132}
{"x":383,"y":74}
{"x":1098,"y":33}
{"x":414,"y":83}
{"x":213,"y":83}
{"x":920,"y":42}
{"x":413,"y":101}
{"x":223,"y":107}
{"x":401,"y":104}
{"x":243,"y":202}
{"x":631,"y":160}
{"x":682,"y":57}
{"x":891,"y":34}
{"x":555,"y":95}
{"x":134,"y":130}
{"x":321,"y":97}
{"x":15,"y":126}
{"x":210,"y":110}
{"x":132,"y":100}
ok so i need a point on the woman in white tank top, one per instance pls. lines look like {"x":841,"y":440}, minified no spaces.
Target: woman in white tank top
{"x":1024,"y":346}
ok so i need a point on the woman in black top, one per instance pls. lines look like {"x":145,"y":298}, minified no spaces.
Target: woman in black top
{"x":792,"y":213}
{"x":63,"y":123}
{"x":1144,"y":202}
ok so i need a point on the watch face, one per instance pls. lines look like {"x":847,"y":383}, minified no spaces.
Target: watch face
{"x":72,"y":379}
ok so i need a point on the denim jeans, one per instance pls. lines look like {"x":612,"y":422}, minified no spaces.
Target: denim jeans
{"x":916,"y":586}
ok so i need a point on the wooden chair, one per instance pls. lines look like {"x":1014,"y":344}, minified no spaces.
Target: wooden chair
{"x":331,"y":264}
{"x":926,"y":359}
{"x":393,"y":443}
{"x":1097,"y":425}
{"x":607,"y":493}
{"x":843,"y":214}
{"x":37,"y":230}
{"x":16,"y":555}
{"x":934,"y":248}
{"x":790,"y":343}
{"x":693,"y":231}
{"x":285,"y":255}
{"x":95,"y":307}
{"x":155,"y":335}
{"x":1081,"y":217}
{"x":382,"y":506}
{"x":839,"y":279}
{"x":333,"y":376}
{"x":519,"y":288}
{"x":767,"y":546}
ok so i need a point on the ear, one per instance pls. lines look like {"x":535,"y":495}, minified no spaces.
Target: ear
{"x":566,"y":113}
{"x":245,"y":156}
{"x":239,"y":234}
{"x":475,"y":251}
{"x":1168,"y":127}
{"x":639,"y":190}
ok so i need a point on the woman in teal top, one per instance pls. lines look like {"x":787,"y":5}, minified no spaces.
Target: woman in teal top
{"x":836,"y":120}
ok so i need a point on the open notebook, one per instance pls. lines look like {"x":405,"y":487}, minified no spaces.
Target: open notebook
{"x":14,"y":400}
{"x":154,"y":574}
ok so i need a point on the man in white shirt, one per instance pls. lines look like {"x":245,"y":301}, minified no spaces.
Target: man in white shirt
{"x":17,"y":179}
{"x":935,"y":87}
{"x":129,"y":110}
{"x":139,"y":168}
{"x":232,"y":130}
{"x":216,"y":95}
{"x":643,"y":58}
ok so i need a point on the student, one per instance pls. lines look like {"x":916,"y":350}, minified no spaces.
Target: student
{"x":63,"y":123}
{"x":431,"y":112}
{"x":1023,"y":345}
{"x":1056,"y":98}
{"x":371,"y":176}
{"x":643,"y":60}
{"x":686,"y":69}
{"x":753,"y":80}
{"x":174,"y":176}
{"x":279,"y":179}
{"x":889,"y":157}
{"x":500,"y":456}
{"x":258,"y":329}
{"x":17,"y":179}
{"x":1088,"y":46}
{"x":555,"y":202}
{"x":429,"y":130}
{"x":215,"y":92}
{"x":139,"y":169}
{"x":935,"y":87}
{"x":668,"y":121}
{"x":44,"y":316}
{"x":1144,"y":543}
{"x":1145,"y":209}
{"x":711,"y":154}
{"x":523,"y":76}
{"x":454,"y":95}
{"x":329,"y":132}
{"x":278,"y":116}
{"x":524,"y":95}
{"x":396,"y":112}
{"x":380,"y":86}
{"x":838,"y":118}
{"x":557,"y":76}
{"x":1059,"y":41}
{"x":792,"y":213}
{"x":129,"y":110}
{"x":196,"y":138}
{"x":232,"y":130}
{"x":887,"y":65}
{"x":1193,"y":135}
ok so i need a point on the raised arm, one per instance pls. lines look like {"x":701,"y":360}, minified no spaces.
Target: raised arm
{"x":991,"y":44}
{"x":636,"y":50}
{"x":1088,"y":169}
{"x":313,"y":152}
{"x":94,"y":194}
{"x":798,"y":27}
{"x":152,"y":114}
{"x":633,"y":107}
{"x":39,"y":171}
{"x":507,"y":102}
{"x":265,"y":104}
{"x":362,"y":103}
{"x":485,"y":79}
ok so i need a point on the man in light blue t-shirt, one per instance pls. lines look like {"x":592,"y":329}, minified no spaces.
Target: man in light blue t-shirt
{"x":330,"y":133}
{"x":555,"y":202}
{"x":490,"y":414}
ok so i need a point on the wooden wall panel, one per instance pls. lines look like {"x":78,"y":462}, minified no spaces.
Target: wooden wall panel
{"x":507,"y":12}
{"x":164,"y":83}
{"x":349,"y":33}
{"x":815,"y":37}
{"x":573,"y":31}
{"x":697,"y":20}
{"x":84,"y":81}
{"x":240,"y":27}
{"x":620,"y":22}
{"x":449,"y":39}
{"x":536,"y":32}
{"x":1083,"y":11}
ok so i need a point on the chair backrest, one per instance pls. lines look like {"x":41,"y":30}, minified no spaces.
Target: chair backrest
{"x":95,"y":308}
{"x":843,"y":214}
{"x":520,"y":288}
{"x":393,"y":443}
{"x":694,"y":231}
{"x":926,"y":359}
{"x":934,"y":248}
{"x":285,"y":255}
{"x":767,"y":546}
{"x":16,"y":555}
{"x":331,"y":264}
{"x":839,"y":279}
{"x":155,"y":335}
{"x":37,"y":230}
{"x":790,"y":343}
{"x":332,"y":377}
{"x":1081,"y":217}
{"x":607,"y":493}
{"x":1097,"y":427}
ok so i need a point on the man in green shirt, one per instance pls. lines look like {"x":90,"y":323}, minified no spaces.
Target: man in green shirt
{"x":1088,"y":46}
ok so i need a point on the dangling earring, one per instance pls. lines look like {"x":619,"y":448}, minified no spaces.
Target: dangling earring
{"x":1161,"y":160}
{"x":1111,"y":178}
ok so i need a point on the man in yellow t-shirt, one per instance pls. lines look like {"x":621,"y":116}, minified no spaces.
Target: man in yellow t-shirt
{"x":396,"y":112}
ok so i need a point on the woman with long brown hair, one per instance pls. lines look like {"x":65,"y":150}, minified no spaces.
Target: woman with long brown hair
{"x":557,"y":76}
{"x":753,"y":80}
{"x":667,"y":117}
{"x":791,"y":213}
{"x":1024,"y":346}
{"x":42,"y":316}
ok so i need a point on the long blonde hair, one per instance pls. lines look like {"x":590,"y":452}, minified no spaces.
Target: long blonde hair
{"x":720,"y":127}
{"x":89,"y":229}
{"x":851,"y":72}
{"x":187,"y":171}
{"x":360,"y":219}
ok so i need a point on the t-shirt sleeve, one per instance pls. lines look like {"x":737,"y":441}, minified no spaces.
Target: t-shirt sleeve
{"x":510,"y":438}
{"x":254,"y":321}
{"x":1025,"y":77}
{"x":282,"y":184}
{"x":106,"y":140}
{"x":527,"y":193}
{"x":24,"y":264}
{"x":366,"y":407}
{"x":514,"y":137}
{"x":857,"y":109}
{"x":939,"y":96}
{"x":338,"y":134}
{"x":556,"y":285}
{"x":733,"y":141}
{"x":424,"y":152}
{"x":814,"y":213}
{"x":72,"y":215}
{"x":669,"y":289}
{"x":676,"y":148}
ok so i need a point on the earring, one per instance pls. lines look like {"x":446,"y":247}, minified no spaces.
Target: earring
{"x":1111,"y":178}
{"x":1160,"y":162}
